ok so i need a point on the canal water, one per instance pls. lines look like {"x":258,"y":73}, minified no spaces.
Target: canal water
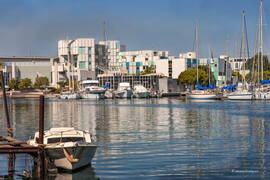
{"x":157,"y":138}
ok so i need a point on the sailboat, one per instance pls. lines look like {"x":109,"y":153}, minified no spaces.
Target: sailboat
{"x":262,"y":92}
{"x":242,"y":92}
{"x":200,"y":92}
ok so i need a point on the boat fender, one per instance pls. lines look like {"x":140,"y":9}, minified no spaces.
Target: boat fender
{"x":69,"y":157}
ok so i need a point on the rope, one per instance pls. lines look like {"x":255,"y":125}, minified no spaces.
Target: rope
{"x":69,"y":157}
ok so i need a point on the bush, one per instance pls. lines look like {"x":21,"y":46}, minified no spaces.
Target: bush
{"x":56,"y":90}
{"x":25,"y":83}
{"x":41,"y":82}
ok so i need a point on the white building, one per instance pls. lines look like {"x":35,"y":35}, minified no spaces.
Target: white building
{"x":171,"y":67}
{"x":20,"y":67}
{"x":113,"y":49}
{"x":135,"y":62}
{"x":85,"y":56}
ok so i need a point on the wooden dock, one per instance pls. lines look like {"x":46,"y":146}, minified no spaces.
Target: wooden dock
{"x":12,"y":146}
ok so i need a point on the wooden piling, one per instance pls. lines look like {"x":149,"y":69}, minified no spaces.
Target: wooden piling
{"x":9,"y":129}
{"x":12,"y":145}
{"x":41,"y":138}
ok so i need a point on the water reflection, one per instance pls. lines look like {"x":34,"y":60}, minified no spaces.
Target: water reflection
{"x":160,"y":138}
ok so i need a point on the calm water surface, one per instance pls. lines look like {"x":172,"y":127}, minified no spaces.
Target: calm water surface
{"x":157,"y":138}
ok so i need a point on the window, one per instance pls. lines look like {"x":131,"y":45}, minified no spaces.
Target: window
{"x":65,"y":139}
{"x":89,"y":51}
{"x":82,"y":65}
{"x":81,"y":50}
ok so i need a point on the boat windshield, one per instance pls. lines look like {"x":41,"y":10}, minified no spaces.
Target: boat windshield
{"x":65,"y":139}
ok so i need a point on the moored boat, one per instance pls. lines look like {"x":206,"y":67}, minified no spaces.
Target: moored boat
{"x":141,"y":92}
{"x":91,"y":90}
{"x":67,"y":148}
{"x":124,"y":90}
{"x":69,"y":95}
{"x":240,"y":95}
{"x":201,"y":94}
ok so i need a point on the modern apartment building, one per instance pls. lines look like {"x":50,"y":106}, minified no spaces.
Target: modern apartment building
{"x":113,"y":49}
{"x":135,"y":62}
{"x":78,"y":60}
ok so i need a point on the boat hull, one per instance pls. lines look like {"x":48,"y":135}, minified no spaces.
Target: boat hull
{"x":84,"y":154}
{"x":142,"y":94}
{"x":201,"y":96}
{"x":240,"y":97}
{"x":92,"y":96}
{"x":70,"y":96}
{"x":124,"y":94}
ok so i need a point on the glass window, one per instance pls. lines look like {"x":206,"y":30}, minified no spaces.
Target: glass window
{"x":81,"y":50}
{"x":82,"y":65}
{"x":89,"y":51}
{"x":65,"y":139}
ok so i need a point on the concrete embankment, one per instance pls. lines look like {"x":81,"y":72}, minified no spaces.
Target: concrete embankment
{"x":19,"y":94}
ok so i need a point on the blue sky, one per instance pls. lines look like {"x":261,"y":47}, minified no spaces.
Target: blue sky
{"x":33,"y":27}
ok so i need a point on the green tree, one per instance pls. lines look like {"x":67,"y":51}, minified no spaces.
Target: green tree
{"x":266,"y":75}
{"x":149,"y":70}
{"x":41,"y":82}
{"x":25,"y":83}
{"x":62,"y":84}
{"x":189,"y":77}
{"x":56,"y":90}
{"x":238,"y":75}
{"x":13,"y":84}
{"x":254,"y":63}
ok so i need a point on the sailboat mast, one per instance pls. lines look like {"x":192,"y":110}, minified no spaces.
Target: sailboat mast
{"x":209,"y":66}
{"x":243,"y":46}
{"x":196,"y":48}
{"x":261,"y":37}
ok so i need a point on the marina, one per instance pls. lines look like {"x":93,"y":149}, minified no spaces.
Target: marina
{"x":110,"y":90}
{"x":156,"y":138}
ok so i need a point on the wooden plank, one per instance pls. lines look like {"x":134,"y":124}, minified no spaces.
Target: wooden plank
{"x":11,"y":139}
{"x":18,"y":149}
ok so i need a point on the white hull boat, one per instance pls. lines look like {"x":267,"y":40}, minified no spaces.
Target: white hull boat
{"x":69,"y":96}
{"x":92,"y":96}
{"x":68,"y":148}
{"x":124,"y":90}
{"x":240,"y":96}
{"x":141,"y":92}
{"x":262,"y":96}
{"x":91,"y":90}
{"x":199,"y":94}
{"x":124,"y":94}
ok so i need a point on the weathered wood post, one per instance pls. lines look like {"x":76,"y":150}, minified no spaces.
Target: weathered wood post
{"x":11,"y":156}
{"x":41,"y":154}
{"x":9,"y":129}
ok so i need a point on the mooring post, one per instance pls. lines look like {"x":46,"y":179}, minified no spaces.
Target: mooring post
{"x":11,"y":156}
{"x":41,"y":119}
{"x":41,"y":155}
{"x":9,"y":129}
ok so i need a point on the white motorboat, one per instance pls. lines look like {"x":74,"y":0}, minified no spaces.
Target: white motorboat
{"x":67,"y":148}
{"x":141,"y":92}
{"x":201,"y":94}
{"x":91,"y":90}
{"x":69,"y":95}
{"x":240,"y":95}
{"x":124,"y":90}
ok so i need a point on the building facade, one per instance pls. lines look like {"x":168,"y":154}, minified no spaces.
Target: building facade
{"x":135,"y":62}
{"x":17,"y":67}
